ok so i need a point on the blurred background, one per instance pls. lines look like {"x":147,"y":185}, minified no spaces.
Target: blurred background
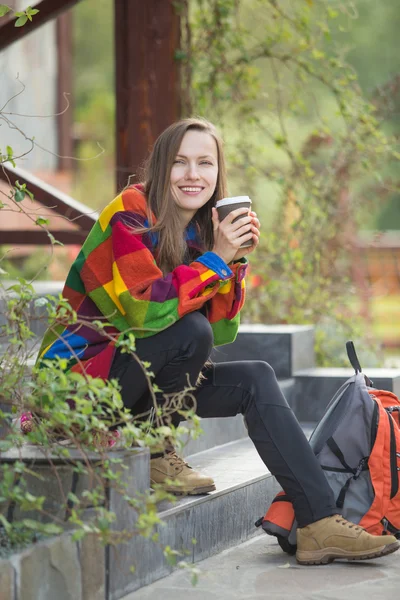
{"x":307,"y":97}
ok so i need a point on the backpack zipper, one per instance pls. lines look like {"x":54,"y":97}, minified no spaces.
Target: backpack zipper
{"x":374,"y":423}
{"x":393,"y":460}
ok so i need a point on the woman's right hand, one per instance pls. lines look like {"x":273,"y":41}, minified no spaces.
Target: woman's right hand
{"x":229,"y":236}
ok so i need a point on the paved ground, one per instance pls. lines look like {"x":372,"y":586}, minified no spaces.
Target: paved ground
{"x":258,"y":569}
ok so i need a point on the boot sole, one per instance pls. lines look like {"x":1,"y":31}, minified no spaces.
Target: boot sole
{"x":328,"y":555}
{"x":182,"y":491}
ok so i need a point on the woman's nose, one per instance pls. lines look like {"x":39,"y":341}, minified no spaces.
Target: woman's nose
{"x":192,"y":172}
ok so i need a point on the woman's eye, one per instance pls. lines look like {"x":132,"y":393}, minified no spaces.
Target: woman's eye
{"x":178,"y":160}
{"x":206,"y":162}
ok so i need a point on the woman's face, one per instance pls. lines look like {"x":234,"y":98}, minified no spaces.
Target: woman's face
{"x":194,"y":172}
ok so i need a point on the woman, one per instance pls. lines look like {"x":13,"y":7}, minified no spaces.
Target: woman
{"x":158,"y":260}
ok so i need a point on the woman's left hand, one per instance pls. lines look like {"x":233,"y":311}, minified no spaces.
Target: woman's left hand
{"x":255,"y":226}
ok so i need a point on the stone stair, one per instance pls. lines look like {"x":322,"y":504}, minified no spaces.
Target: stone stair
{"x":216,"y":521}
{"x":226,"y":517}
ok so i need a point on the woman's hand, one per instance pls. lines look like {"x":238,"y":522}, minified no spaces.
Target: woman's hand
{"x":256,"y":238}
{"x":228,"y":236}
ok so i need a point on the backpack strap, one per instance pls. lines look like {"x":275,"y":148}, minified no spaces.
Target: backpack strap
{"x":355,"y":473}
{"x":342,"y":494}
{"x":353,"y":358}
{"x":334,"y":448}
{"x":355,"y":363}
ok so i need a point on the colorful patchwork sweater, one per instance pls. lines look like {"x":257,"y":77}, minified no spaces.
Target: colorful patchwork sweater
{"x":115,"y":278}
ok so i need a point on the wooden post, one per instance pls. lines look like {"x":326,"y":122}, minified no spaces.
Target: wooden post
{"x":147,"y":33}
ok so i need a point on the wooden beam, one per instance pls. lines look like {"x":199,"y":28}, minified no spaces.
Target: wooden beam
{"x":49,"y":196}
{"x":147,"y":33}
{"x":39,"y":237}
{"x":49,"y":9}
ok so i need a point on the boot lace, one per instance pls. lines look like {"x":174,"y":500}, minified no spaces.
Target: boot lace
{"x":347,"y":524}
{"x":176,"y":461}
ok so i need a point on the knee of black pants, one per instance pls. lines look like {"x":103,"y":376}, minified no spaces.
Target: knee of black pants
{"x":197,"y":335}
{"x":262,"y":384}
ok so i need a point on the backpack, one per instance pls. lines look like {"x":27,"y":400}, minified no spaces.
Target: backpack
{"x":357,"y":443}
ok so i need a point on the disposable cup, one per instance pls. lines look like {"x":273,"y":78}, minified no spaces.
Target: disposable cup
{"x":227,"y":205}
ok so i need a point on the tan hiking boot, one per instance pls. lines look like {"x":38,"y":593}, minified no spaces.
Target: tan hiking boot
{"x":334,"y":537}
{"x":172,"y":466}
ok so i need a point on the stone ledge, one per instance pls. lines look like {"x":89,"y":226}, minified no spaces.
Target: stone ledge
{"x":314,"y":388}
{"x":49,"y":570}
{"x":61,"y":569}
{"x":7,"y":577}
{"x":54,"y":477}
{"x":287,"y":348}
{"x":57,"y":568}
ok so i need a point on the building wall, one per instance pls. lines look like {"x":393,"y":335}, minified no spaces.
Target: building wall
{"x":34,"y":60}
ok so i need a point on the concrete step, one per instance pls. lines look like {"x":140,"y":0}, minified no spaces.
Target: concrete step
{"x":287,"y":348}
{"x":216,"y":521}
{"x":314,"y":388}
{"x":259,"y":570}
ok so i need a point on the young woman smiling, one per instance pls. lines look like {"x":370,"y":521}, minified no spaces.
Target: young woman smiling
{"x":159,"y":260}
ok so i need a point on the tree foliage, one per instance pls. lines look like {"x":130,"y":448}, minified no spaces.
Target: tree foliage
{"x":274,"y":76}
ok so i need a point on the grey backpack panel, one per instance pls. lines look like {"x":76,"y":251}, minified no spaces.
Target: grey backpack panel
{"x":352,"y":405}
{"x":359,"y":496}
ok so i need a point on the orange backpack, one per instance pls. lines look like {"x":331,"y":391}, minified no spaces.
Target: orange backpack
{"x":357,"y":443}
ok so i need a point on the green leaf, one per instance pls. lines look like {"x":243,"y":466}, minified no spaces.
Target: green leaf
{"x":180,"y":54}
{"x":41,"y":302}
{"x":32,"y":11}
{"x":42,"y":221}
{"x":21,"y":21}
{"x":19,"y":196}
{"x":51,"y":528}
{"x":30,"y":524}
{"x":78,"y":535}
{"x":317,"y":54}
{"x":4,"y":9}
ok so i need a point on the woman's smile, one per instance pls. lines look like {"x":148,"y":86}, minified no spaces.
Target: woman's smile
{"x":191,"y":190}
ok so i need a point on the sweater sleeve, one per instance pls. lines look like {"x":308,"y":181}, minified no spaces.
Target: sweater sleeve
{"x":224,"y":306}
{"x":150,"y":301}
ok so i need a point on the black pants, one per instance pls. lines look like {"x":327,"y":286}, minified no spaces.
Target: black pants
{"x":246,"y":387}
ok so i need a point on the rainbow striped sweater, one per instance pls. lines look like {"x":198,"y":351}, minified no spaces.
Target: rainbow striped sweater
{"x":115,"y":279}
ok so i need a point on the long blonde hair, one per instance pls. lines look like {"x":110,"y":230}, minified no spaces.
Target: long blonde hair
{"x":156,"y":176}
